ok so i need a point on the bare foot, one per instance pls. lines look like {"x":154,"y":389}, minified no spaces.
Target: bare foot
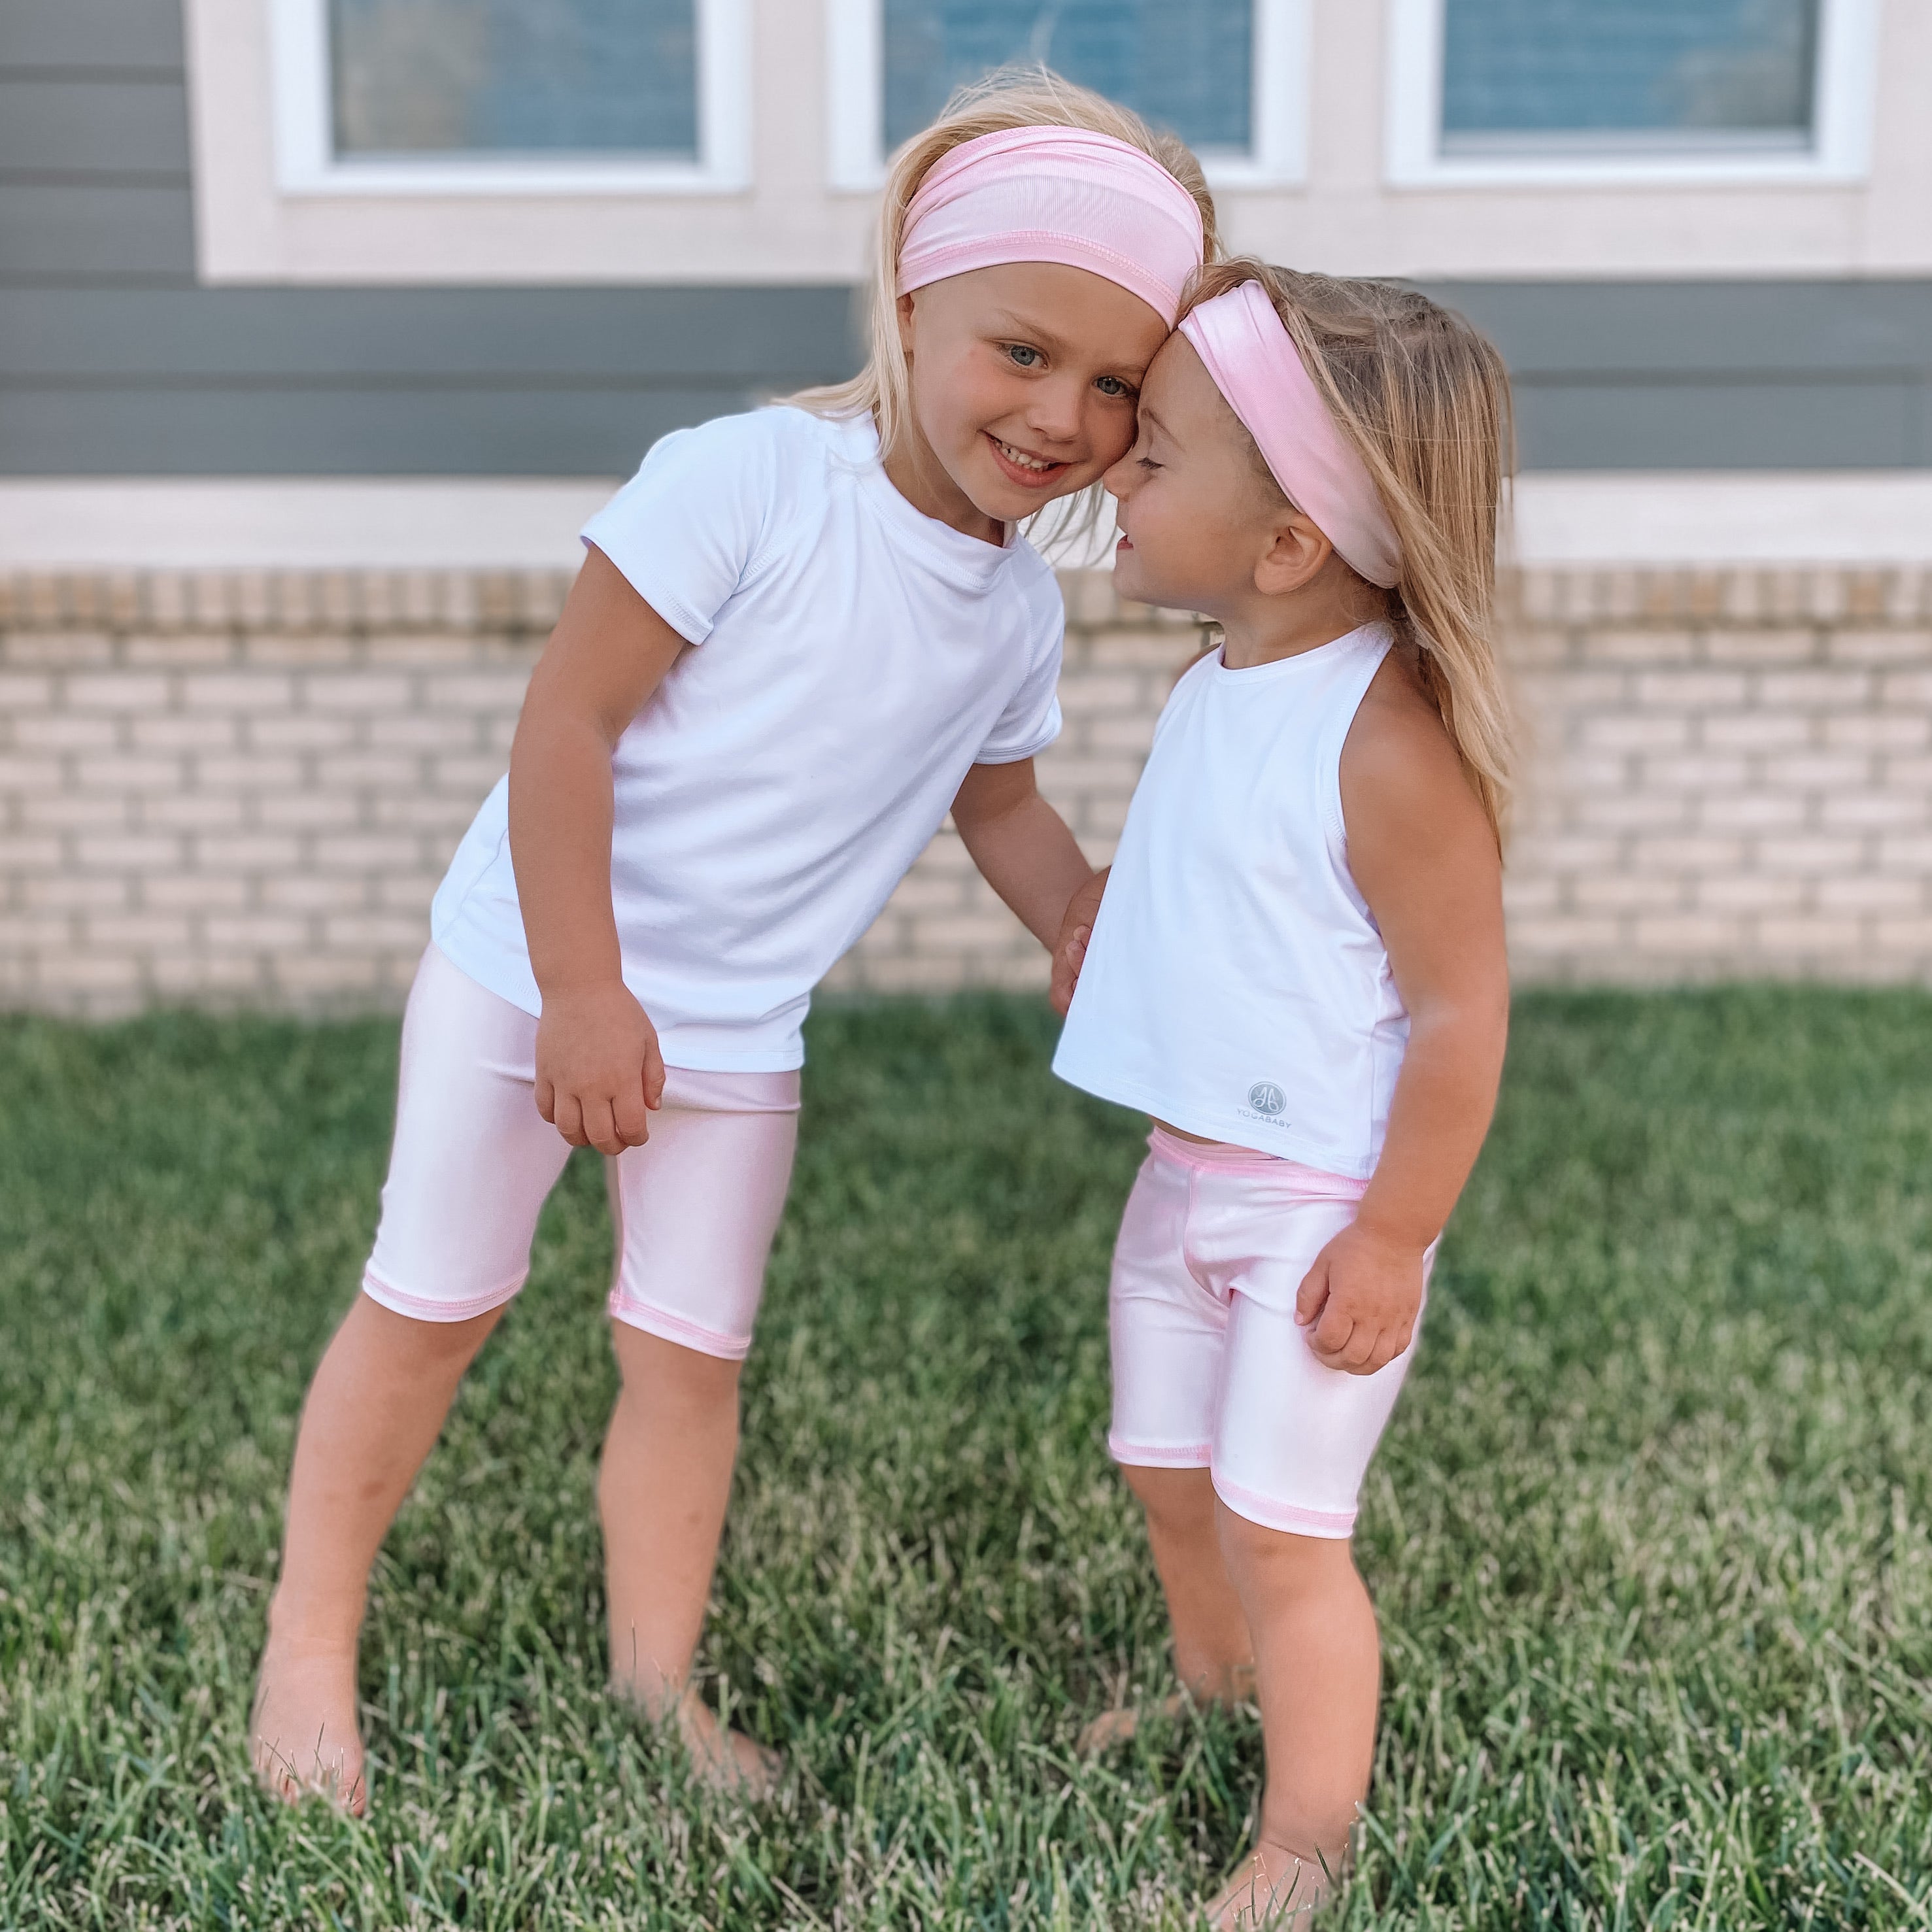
{"x":1272,"y":1886}
{"x":726,"y":1760}
{"x":304,"y":1734}
{"x":1116,"y":1727}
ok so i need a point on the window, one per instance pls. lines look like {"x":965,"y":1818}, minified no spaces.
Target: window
{"x":1617,"y":89}
{"x":1225,"y":75}
{"x":509,"y":95}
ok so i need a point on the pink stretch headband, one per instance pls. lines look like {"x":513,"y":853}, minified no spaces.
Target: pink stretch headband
{"x":1256,"y":366}
{"x":1054,"y":194}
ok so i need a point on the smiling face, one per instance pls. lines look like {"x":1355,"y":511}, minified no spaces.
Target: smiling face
{"x":1024,"y":381}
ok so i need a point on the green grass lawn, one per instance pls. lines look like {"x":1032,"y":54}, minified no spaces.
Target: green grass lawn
{"x":1648,"y":1533}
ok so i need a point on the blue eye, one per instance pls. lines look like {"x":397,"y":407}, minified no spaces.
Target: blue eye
{"x":1112,"y":386}
{"x":1026,"y":356}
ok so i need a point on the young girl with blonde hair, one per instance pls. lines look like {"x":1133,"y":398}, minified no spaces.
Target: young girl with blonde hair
{"x":799,"y":638}
{"x":1297,"y":969}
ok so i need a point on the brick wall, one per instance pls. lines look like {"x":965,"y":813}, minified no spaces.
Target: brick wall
{"x":244,"y":789}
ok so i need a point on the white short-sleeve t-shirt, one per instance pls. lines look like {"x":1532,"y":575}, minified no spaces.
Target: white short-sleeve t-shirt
{"x":852,"y":659}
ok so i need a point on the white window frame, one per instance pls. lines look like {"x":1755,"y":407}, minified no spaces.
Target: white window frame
{"x":306,"y":163}
{"x":1840,"y":150}
{"x":855,"y":51}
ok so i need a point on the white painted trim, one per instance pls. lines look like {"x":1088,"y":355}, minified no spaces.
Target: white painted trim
{"x":1840,"y":152}
{"x":855,"y":75}
{"x":306,"y":163}
{"x":1580,"y":518}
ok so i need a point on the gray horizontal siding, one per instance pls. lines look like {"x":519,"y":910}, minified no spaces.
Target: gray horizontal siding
{"x":113,"y":361}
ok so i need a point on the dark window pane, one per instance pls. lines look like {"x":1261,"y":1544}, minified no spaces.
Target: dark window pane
{"x":422,"y":77}
{"x":1186,"y":64}
{"x":1635,"y":73}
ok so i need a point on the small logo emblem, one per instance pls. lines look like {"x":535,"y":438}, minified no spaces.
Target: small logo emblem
{"x":1265,"y":1097}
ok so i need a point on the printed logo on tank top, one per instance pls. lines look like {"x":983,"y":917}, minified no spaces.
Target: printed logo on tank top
{"x":1265,"y":1102}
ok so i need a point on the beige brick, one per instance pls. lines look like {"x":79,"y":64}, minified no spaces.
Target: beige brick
{"x":1751,"y":892}
{"x":1757,"y":730}
{"x":1752,"y":812}
{"x":193,"y":811}
{"x":127,"y":772}
{"x":1878,"y":731}
{"x":1808,"y":856}
{"x":248,"y":852}
{"x":314,"y":891}
{"x":195,"y":892}
{"x":117,"y":690}
{"x":1691,"y":691}
{"x":1626,"y":892}
{"x":1693,"y":772}
{"x":75,"y":811}
{"x":192,"y":974}
{"x":1689,"y":932}
{"x":1573,"y":933}
{"x":1759,"y":647}
{"x":100,"y":973}
{"x":1634,"y":731}
{"x":397,"y":892}
{"x":1880,"y":647}
{"x":1701,"y":854}
{"x":75,"y":892}
{"x":56,"y":650}
{"x":430,"y":650}
{"x":1632,"y":811}
{"x":372,"y":692}
{"x":1819,"y":690}
{"x":260,"y":771}
{"x":269,"y":932}
{"x":307,"y":811}
{"x":381,"y":771}
{"x":64,"y":731}
{"x":424,"y":731}
{"x":22,"y":855}
{"x":184,"y":731}
{"x":473,"y":777}
{"x":1868,"y":892}
{"x":22,"y":690}
{"x":1905,"y":690}
{"x":1778,"y":933}
{"x":1908,"y":775}
{"x":486,"y":691}
{"x":304,"y":731}
{"x":1527,"y":893}
{"x":366,"y":852}
{"x":136,"y":932}
{"x":29,"y":775}
{"x":1875,"y":811}
{"x":371,"y":931}
{"x":1905,"y":935}
{"x":180,"y":650}
{"x":1910,"y":853}
{"x":127,"y":852}
{"x":325,"y":972}
{"x":1611,"y":645}
{"x":1817,"y":771}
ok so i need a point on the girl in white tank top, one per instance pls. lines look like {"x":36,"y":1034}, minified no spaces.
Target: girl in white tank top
{"x":1297,"y":969}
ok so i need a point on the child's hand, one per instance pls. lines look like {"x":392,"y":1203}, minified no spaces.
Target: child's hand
{"x":598,"y":1069}
{"x":1070,"y":949}
{"x":1360,"y":1300}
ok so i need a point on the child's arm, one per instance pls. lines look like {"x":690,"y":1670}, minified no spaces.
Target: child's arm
{"x":1076,"y":929}
{"x":1421,"y":850}
{"x":1021,"y":845}
{"x":597,"y":1061}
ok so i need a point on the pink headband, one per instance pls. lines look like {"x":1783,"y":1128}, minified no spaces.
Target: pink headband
{"x":1054,"y":194}
{"x":1256,"y":366}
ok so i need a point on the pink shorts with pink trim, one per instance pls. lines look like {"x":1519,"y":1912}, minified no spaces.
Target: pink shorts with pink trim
{"x":1210,"y":1369}
{"x":696,"y":1206}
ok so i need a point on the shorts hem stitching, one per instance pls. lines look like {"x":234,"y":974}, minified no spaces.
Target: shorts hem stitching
{"x":670,"y":1328}
{"x":420,"y":1308}
{"x":1336,"y":1525}
{"x":1159,"y":1455}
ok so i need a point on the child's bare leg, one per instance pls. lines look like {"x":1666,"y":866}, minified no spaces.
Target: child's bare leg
{"x":1318,"y":1663}
{"x":662,"y":1490}
{"x":373,"y":1414}
{"x":1213,"y":1655}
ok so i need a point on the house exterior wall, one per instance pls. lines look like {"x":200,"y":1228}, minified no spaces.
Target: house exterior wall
{"x":118,"y":357}
{"x":245,"y":789}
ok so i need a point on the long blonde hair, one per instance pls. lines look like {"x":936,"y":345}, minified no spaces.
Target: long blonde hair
{"x":1030,"y":97}
{"x":1425,"y":399}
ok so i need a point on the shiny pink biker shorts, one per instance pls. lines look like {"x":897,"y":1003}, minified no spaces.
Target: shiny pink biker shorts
{"x":473,"y":1162}
{"x":1210,"y":1369}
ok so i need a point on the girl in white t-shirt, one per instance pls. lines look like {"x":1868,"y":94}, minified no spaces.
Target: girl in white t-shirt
{"x":799,"y":638}
{"x":1297,"y":969}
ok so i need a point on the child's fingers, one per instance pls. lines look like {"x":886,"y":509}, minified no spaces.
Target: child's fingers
{"x":567,"y":1117}
{"x":1332,"y":1333}
{"x":600,"y":1126}
{"x":1313,"y":1293}
{"x":654,"y":1073}
{"x":547,"y":1100}
{"x":631,"y":1113}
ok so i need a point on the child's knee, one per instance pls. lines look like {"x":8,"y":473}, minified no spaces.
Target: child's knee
{"x":1176,"y":1501}
{"x":667,"y":1373}
{"x":1288,"y":1561}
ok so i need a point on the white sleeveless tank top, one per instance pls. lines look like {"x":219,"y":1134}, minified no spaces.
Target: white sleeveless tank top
{"x":1236,"y":985}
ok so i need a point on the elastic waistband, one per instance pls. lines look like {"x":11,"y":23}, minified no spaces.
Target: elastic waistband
{"x":1223,"y":1157}
{"x":706,"y":1092}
